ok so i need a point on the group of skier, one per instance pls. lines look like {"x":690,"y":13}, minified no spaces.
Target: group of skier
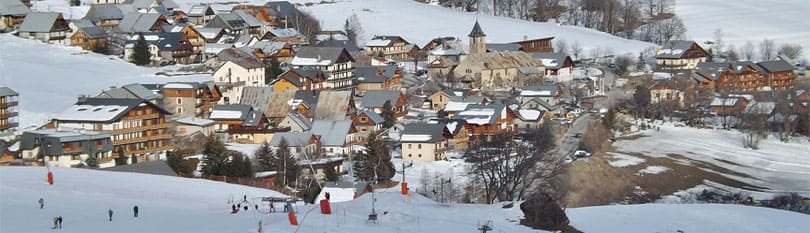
{"x":57,"y":221}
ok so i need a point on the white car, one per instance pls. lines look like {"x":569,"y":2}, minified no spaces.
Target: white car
{"x":581,"y":154}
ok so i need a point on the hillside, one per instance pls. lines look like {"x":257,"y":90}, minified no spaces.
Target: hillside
{"x":747,"y":20}
{"x":169,"y":204}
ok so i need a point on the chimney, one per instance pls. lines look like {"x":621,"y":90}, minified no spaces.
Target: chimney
{"x":525,"y":37}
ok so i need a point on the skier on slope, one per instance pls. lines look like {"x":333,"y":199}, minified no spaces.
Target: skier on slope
{"x":110,"y":212}
{"x":41,"y":203}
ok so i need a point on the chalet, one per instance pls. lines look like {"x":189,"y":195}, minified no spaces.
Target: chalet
{"x":377,"y":78}
{"x":12,"y":14}
{"x":194,"y":37}
{"x":107,"y":16}
{"x":132,"y":24}
{"x":460,"y":103}
{"x":559,"y":66}
{"x":423,"y":142}
{"x":236,"y":22}
{"x":336,"y":136}
{"x":335,"y":62}
{"x":192,"y":125}
{"x":296,"y":122}
{"x":392,"y":47}
{"x":456,"y":132}
{"x":539,"y":45}
{"x":334,"y":105}
{"x":490,"y":71}
{"x":731,"y":105}
{"x":305,"y":102}
{"x":263,"y":13}
{"x":540,"y":104}
{"x":132,"y":91}
{"x":285,"y":11}
{"x":8,"y":111}
{"x":200,"y":14}
{"x":300,"y":79}
{"x":211,"y":35}
{"x":143,"y":5}
{"x":265,"y":50}
{"x":368,"y":121}
{"x":300,"y":144}
{"x":680,"y":55}
{"x":666,"y":92}
{"x":336,"y":43}
{"x":447,"y":42}
{"x":548,"y":93}
{"x":190,"y":99}
{"x":395,"y":131}
{"x":488,"y":120}
{"x":138,"y":127}
{"x":287,"y":35}
{"x":241,"y":122}
{"x":238,"y":69}
{"x":530,"y":119}
{"x":67,"y":147}
{"x":165,"y":48}
{"x":375,"y":100}
{"x":274,"y":105}
{"x":89,"y":38}
{"x":439,"y":99}
{"x":778,"y":74}
{"x":48,"y":27}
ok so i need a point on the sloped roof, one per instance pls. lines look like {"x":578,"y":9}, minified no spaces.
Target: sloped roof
{"x":551,"y":60}
{"x":164,"y":41}
{"x":257,"y":97}
{"x":138,"y":22}
{"x":5,"y":91}
{"x":377,"y":98}
{"x":316,"y":56}
{"x":776,"y":66}
{"x":422,"y":132}
{"x":240,"y":58}
{"x":198,"y":10}
{"x":501,"y":60}
{"x":294,"y":139}
{"x":285,"y":32}
{"x":232,"y":20}
{"x":335,"y":43}
{"x":98,"y":12}
{"x":674,"y":49}
{"x":284,"y":8}
{"x":249,"y":19}
{"x":308,"y":98}
{"x":368,"y":74}
{"x":155,"y":167}
{"x":476,"y":31}
{"x":39,"y":21}
{"x":503,"y":47}
{"x":13,"y":7}
{"x":539,"y":90}
{"x":94,"y":32}
{"x":333,"y":105}
{"x":267,"y":47}
{"x":102,"y":109}
{"x":332,"y":132}
{"x":279,"y":106}
{"x":300,"y":120}
{"x":195,"y":121}
{"x":243,"y":112}
{"x":477,"y":114}
{"x":373,"y":116}
{"x":132,"y":90}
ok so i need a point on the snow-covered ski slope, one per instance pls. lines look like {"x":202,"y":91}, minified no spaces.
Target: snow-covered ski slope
{"x":169,"y":204}
{"x":784,"y":21}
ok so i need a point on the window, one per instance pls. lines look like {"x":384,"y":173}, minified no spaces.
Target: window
{"x":409,"y":146}
{"x":420,"y":147}
{"x":420,"y":155}
{"x":410,"y":155}
{"x":179,"y":110}
{"x":179,"y":100}
{"x":363,"y":119}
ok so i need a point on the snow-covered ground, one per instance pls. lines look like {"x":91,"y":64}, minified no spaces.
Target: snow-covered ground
{"x":780,"y":167}
{"x":783,"y":21}
{"x":623,"y":160}
{"x":49,"y":77}
{"x":170,"y":204}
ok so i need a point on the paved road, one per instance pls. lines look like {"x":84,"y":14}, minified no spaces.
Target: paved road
{"x":568,"y":143}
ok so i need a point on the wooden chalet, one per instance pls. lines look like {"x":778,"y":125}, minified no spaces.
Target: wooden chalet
{"x":392,"y":47}
{"x":680,"y":55}
{"x":375,"y":100}
{"x":200,"y":14}
{"x":485,"y":121}
{"x":89,"y":38}
{"x":263,"y":13}
{"x":539,"y":45}
{"x":378,"y":78}
{"x":48,"y":27}
{"x":300,"y":79}
{"x":190,"y":99}
{"x":12,"y":14}
{"x":242,"y":123}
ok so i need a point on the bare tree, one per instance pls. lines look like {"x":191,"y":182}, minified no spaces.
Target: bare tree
{"x":576,"y":48}
{"x":718,"y":43}
{"x":754,"y":126}
{"x":560,"y":46}
{"x":767,"y":50}
{"x":306,"y":24}
{"x":353,"y":28}
{"x":731,"y":54}
{"x":622,"y":64}
{"x":670,"y":29}
{"x":747,"y":51}
{"x":791,"y":51}
{"x":545,"y":10}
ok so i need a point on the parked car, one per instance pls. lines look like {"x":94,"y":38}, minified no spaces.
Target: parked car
{"x":578,"y":135}
{"x":581,"y":154}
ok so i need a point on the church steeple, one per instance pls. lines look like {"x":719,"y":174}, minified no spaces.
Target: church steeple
{"x":477,"y":39}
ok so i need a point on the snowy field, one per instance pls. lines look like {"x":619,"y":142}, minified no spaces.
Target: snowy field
{"x":783,"y":21}
{"x":780,"y":167}
{"x":49,"y":78}
{"x":169,"y":204}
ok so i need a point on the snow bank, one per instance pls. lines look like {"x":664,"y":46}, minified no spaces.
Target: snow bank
{"x":623,"y":160}
{"x":652,"y":170}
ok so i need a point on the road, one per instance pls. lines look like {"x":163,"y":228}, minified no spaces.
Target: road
{"x":568,"y":143}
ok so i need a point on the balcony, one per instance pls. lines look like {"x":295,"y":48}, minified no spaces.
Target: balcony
{"x":149,"y":150}
{"x":8,"y":104}
{"x":141,"y":128}
{"x":142,"y":139}
{"x":145,"y":116}
{"x":8,"y":125}
{"x":4,"y":115}
{"x":72,"y":149}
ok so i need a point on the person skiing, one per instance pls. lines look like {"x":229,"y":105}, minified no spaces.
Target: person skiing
{"x":59,"y":221}
{"x":245,"y":198}
{"x":41,"y":203}
{"x":110,"y":212}
{"x":256,"y":206}
{"x":272,"y":208}
{"x":327,"y":196}
{"x":55,"y":222}
{"x":135,"y":209}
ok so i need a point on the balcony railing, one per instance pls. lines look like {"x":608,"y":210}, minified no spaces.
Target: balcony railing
{"x":5,"y":115}
{"x":142,"y":139}
{"x":148,"y":150}
{"x":145,"y":116}
{"x":141,"y":128}
{"x":8,"y":104}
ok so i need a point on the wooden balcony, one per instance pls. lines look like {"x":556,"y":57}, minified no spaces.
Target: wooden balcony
{"x":8,"y":104}
{"x":149,"y":150}
{"x":72,"y":149}
{"x":145,"y":116}
{"x":5,"y":115}
{"x":8,"y":125}
{"x":142,"y":139}
{"x":142,"y":128}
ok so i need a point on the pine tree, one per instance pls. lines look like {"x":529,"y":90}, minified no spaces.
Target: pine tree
{"x":286,"y":164}
{"x":91,"y":161}
{"x":376,"y":156}
{"x":238,"y":165}
{"x":388,"y":115}
{"x":273,"y":71}
{"x":265,"y":157}
{"x":215,"y":158}
{"x":331,"y":174}
{"x":140,"y":52}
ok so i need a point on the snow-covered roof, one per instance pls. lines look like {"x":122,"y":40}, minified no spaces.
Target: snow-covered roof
{"x":422,"y":132}
{"x":719,"y":101}
{"x":13,"y":7}
{"x":378,"y":43}
{"x":226,"y":114}
{"x":453,"y":106}
{"x":195,"y":121}
{"x":178,"y":86}
{"x":529,"y":114}
{"x":39,"y":21}
{"x":91,"y":113}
